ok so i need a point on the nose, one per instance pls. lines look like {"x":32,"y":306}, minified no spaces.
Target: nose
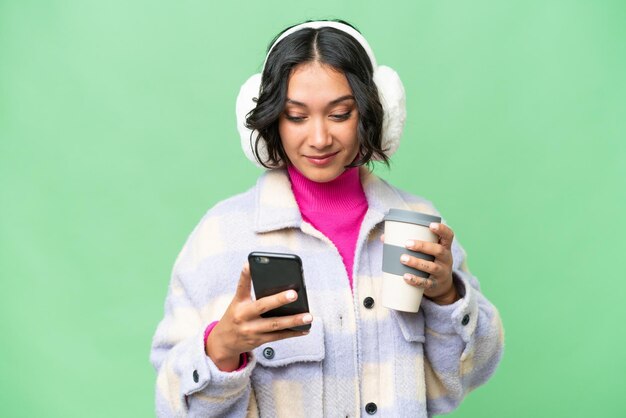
{"x":319,"y":134}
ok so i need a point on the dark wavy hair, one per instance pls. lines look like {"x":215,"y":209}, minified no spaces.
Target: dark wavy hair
{"x":328,"y":46}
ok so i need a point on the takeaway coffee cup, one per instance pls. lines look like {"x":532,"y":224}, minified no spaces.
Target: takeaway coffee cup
{"x":400,"y":226}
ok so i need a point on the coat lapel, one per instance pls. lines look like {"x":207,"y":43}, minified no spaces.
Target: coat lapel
{"x":276,"y":206}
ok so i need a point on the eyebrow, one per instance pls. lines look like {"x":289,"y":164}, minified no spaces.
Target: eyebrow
{"x":332,"y":103}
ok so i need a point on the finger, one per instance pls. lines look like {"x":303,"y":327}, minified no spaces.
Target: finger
{"x":446,"y":235}
{"x":281,"y":335}
{"x":281,"y":323}
{"x":260,"y":306}
{"x":244,"y":285}
{"x":437,"y":250}
{"x":422,"y":265}
{"x":423,"y":282}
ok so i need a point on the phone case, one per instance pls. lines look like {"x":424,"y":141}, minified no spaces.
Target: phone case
{"x":274,"y":273}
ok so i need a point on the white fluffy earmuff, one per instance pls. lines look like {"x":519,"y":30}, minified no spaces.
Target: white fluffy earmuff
{"x":388,"y":83}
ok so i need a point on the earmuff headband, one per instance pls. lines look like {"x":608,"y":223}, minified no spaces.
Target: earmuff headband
{"x":327,"y":24}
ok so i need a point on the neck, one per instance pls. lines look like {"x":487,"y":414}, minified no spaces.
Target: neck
{"x":343,"y":193}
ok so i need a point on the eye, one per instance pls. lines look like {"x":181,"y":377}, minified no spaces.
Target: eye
{"x":341,"y":116}
{"x":293,"y":118}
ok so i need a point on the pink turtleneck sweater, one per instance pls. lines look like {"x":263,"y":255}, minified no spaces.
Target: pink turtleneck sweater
{"x":335,"y":208}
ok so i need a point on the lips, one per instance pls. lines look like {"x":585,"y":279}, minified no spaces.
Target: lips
{"x":321,"y":160}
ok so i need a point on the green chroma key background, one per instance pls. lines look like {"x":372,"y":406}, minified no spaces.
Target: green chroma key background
{"x":117,"y":132}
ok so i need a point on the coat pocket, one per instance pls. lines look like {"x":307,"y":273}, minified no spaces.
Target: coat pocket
{"x":411,"y":325}
{"x":288,"y":378}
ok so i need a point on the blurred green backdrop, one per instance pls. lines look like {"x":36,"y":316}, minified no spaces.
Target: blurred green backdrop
{"x":117,"y":132}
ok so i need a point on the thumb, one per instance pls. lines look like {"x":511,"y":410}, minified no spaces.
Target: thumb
{"x":244,"y":285}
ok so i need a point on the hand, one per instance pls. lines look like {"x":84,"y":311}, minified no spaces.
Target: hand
{"x":439,"y":286}
{"x":242,"y":328}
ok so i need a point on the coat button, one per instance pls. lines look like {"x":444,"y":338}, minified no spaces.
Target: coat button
{"x":371,"y":408}
{"x":268,"y":353}
{"x":368,"y":302}
{"x":196,"y":376}
{"x":465,"y":320}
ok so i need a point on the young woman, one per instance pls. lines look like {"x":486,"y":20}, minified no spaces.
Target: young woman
{"x":319,"y":112}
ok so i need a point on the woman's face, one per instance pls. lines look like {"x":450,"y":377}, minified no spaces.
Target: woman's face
{"x":318,"y":127}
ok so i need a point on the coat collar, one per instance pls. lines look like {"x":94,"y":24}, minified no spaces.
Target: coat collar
{"x":276,"y":206}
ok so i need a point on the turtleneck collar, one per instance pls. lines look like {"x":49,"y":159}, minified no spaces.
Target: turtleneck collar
{"x":341,"y":194}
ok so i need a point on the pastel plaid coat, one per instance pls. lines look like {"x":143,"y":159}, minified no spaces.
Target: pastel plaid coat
{"x":356,"y":360}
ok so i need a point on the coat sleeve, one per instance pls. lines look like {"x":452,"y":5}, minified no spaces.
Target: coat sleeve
{"x":188,"y":382}
{"x":463,"y":341}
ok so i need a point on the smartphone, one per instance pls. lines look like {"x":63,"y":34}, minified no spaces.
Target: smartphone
{"x":274,"y":273}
